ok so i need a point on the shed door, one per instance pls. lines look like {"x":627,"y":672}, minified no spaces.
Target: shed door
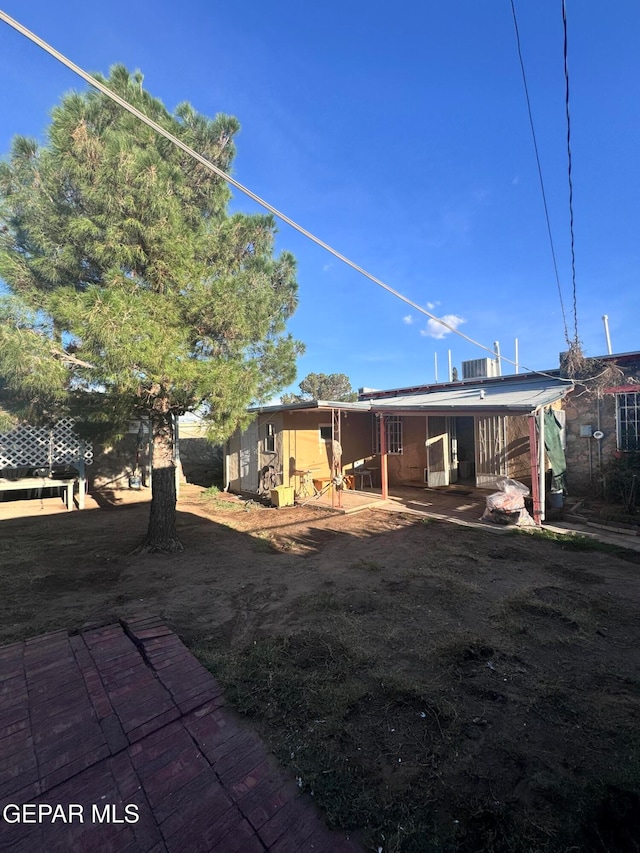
{"x":491,"y":450}
{"x":249,"y":458}
{"x":438,"y":454}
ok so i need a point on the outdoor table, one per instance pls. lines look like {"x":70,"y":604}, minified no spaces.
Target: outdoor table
{"x":40,"y":483}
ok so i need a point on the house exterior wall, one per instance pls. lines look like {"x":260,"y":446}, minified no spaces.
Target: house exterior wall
{"x":299,"y":446}
{"x":232,"y":451}
{"x":518,"y":449}
{"x":587,"y":458}
{"x":249,"y":448}
{"x":276,"y":457}
{"x":305,"y":450}
{"x":303,"y":447}
{"x":357,"y":440}
{"x":410,"y":464}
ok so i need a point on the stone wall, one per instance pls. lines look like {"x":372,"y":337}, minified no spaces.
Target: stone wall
{"x":114,"y":463}
{"x":201,"y":461}
{"x":587,"y":457}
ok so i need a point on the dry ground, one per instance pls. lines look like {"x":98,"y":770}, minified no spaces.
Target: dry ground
{"x":441,"y":688}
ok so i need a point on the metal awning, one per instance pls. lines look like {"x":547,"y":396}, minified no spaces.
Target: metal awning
{"x":504,"y":395}
{"x":313,"y":405}
{"x":514,"y":397}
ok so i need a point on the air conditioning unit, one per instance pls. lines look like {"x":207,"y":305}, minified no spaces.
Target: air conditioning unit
{"x":480,"y":368}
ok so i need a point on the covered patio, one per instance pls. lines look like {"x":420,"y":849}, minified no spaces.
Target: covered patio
{"x":498,"y":424}
{"x":454,"y":503}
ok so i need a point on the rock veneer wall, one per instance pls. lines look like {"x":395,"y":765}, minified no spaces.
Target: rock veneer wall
{"x":114,"y":463}
{"x":587,"y":457}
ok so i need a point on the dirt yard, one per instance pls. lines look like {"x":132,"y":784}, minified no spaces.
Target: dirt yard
{"x":436,"y":687}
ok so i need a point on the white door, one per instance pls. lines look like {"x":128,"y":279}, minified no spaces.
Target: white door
{"x":438,"y":453}
{"x":249,"y":458}
{"x":491,"y":450}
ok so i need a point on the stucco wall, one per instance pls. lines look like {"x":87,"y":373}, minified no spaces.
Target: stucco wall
{"x":306,"y":451}
{"x":302,"y":444}
{"x":299,"y":447}
{"x":410,"y":464}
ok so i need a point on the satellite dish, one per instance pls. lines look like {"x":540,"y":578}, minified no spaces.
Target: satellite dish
{"x":598,"y":435}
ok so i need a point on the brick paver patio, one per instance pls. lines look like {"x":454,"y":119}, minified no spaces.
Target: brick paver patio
{"x":125,"y":716}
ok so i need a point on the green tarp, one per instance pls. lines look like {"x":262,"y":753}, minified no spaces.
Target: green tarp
{"x":555,"y":451}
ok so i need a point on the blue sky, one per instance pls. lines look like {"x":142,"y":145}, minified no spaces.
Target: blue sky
{"x":399,"y":135}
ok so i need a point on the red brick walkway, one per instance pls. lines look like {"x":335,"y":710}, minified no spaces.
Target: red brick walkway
{"x":126,"y":716}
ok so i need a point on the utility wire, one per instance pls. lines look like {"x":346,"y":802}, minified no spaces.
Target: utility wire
{"x":566,"y":100}
{"x":219,"y":172}
{"x":544,"y":195}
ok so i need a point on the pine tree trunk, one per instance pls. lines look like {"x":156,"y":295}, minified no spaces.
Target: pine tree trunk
{"x":161,"y":533}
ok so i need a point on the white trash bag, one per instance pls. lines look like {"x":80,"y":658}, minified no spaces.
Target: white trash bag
{"x":508,"y":501}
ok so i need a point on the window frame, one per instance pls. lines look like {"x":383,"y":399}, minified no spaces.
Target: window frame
{"x":325,"y":426}
{"x":269,"y":443}
{"x":623,"y":408}
{"x":394,"y":433}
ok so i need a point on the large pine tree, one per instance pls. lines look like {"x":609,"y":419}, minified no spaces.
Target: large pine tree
{"x":133,"y":291}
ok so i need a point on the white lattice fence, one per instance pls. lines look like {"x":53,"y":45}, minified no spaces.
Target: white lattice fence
{"x":32,"y":446}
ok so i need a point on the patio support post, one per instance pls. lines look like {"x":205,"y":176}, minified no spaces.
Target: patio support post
{"x":541,"y":465}
{"x":335,"y":436}
{"x":384,"y":471}
{"x":533,"y":452}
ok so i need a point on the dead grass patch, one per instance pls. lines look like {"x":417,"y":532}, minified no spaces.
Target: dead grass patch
{"x":336,"y":634}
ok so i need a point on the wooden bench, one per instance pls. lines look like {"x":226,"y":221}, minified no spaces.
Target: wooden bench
{"x":39,"y":483}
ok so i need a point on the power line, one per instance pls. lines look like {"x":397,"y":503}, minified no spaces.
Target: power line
{"x":219,"y":172}
{"x":566,"y":101}
{"x":544,"y":195}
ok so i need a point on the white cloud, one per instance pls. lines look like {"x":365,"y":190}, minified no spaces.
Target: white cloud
{"x":408,"y":319}
{"x":431,"y":305}
{"x":326,"y":267}
{"x":438,"y":331}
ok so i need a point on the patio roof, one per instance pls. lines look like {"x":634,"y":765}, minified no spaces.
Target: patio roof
{"x":313,"y":404}
{"x":519,"y":396}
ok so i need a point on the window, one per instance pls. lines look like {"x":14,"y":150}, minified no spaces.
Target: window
{"x":326,"y":433}
{"x":393,"y":432}
{"x":270,"y":438}
{"x":628,"y":420}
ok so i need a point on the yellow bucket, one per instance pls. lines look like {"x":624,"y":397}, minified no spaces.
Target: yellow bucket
{"x":282,"y":496}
